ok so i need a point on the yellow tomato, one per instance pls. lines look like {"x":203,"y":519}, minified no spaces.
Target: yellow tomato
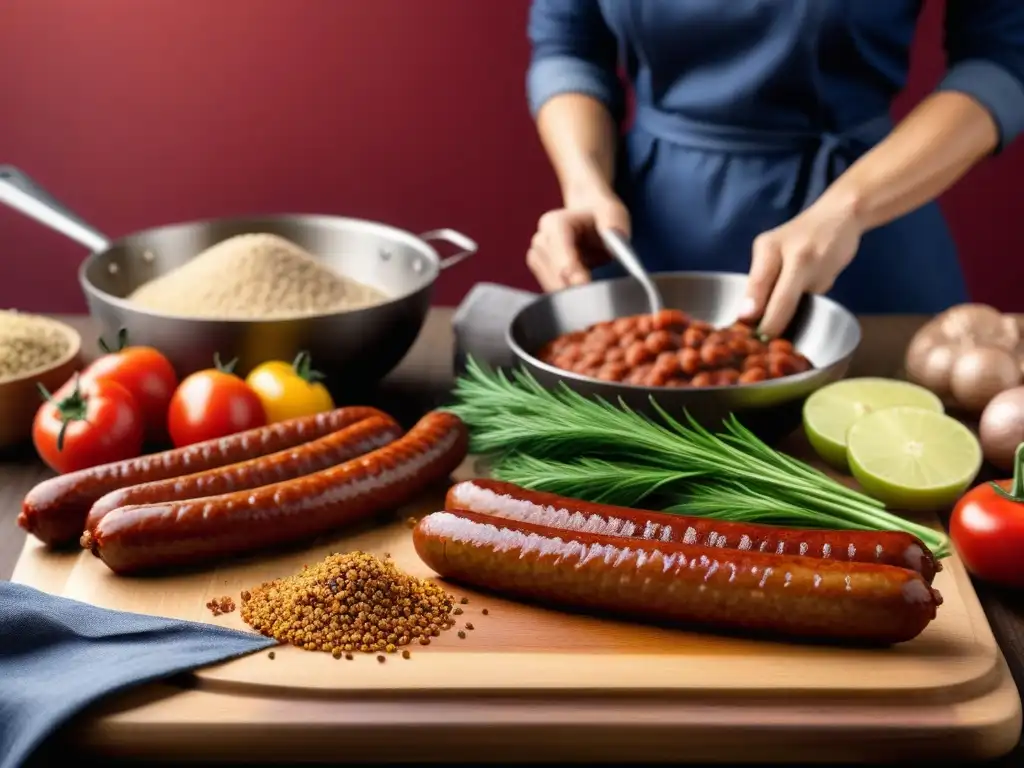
{"x":289,"y":390}
{"x":277,"y":366}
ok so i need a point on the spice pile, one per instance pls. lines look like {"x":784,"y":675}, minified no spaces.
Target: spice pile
{"x":221,"y":605}
{"x":28,"y":343}
{"x":253,"y":276}
{"x":349,"y":603}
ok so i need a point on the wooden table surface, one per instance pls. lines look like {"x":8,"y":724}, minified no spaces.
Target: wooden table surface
{"x":422,"y":381}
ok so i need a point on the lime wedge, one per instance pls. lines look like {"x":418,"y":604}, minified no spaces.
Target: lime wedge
{"x":913,"y":458}
{"x":832,"y":410}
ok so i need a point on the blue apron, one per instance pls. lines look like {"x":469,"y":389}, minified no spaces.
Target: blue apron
{"x":746,"y":111}
{"x":699,"y":194}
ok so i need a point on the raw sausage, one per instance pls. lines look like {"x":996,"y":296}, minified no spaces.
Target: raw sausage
{"x":514,"y":503}
{"x":55,"y":510}
{"x":794,"y":597}
{"x":337,"y":447}
{"x":154,"y":536}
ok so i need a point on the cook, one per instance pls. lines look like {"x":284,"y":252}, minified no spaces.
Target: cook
{"x":762,"y":141}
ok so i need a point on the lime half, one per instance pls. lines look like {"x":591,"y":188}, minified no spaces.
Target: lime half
{"x":912,"y":458}
{"x":832,"y":410}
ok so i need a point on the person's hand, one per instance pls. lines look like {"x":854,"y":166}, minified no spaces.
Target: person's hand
{"x":566,"y":244}
{"x":804,"y":255}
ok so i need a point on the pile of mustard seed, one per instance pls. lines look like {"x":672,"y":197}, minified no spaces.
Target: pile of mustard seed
{"x":28,"y":343}
{"x":349,"y":603}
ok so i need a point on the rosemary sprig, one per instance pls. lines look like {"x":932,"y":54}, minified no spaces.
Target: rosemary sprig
{"x":631,"y":486}
{"x":621,"y":484}
{"x":739,"y":505}
{"x":560,"y":441}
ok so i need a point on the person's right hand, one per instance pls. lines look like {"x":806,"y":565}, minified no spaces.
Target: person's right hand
{"x":566,"y":244}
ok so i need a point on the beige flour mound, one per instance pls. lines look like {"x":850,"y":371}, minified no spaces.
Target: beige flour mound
{"x":253,"y":276}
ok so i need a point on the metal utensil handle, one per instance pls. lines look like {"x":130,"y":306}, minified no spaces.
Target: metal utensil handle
{"x":22,"y":194}
{"x":622,"y":251}
{"x":452,"y":237}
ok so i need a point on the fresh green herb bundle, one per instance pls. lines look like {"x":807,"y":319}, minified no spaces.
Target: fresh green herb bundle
{"x":561,"y":442}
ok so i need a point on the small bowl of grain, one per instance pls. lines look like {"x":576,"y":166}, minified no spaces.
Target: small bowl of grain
{"x":34,"y":350}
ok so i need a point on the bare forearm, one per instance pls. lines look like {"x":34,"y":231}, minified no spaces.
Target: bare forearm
{"x":579,"y":136}
{"x":936,"y":144}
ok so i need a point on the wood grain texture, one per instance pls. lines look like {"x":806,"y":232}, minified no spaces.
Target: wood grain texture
{"x":523,"y":650}
{"x":720,"y":696}
{"x":549,"y":729}
{"x":972,"y":711}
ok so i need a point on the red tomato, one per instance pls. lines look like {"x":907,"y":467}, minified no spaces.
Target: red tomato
{"x":144,"y":372}
{"x":987,"y":528}
{"x":212,"y":403}
{"x":89,"y":424}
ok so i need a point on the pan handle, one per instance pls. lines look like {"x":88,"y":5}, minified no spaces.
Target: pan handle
{"x":22,"y":194}
{"x":459,"y":240}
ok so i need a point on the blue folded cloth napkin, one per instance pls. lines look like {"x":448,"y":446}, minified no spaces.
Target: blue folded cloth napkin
{"x":57,"y":656}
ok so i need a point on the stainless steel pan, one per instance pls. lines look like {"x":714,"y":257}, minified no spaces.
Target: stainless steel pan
{"x":822,"y":330}
{"x":355,"y":349}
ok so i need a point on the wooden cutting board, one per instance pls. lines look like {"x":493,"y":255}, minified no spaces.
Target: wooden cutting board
{"x":529,"y":683}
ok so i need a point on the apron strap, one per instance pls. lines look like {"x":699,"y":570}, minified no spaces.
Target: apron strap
{"x":830,"y":153}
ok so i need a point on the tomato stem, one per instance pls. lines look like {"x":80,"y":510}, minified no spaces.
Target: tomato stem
{"x":1016,"y":492}
{"x":122,"y":342}
{"x":74,"y":407}
{"x":1017,"y":488}
{"x":44,"y":391}
{"x":228,"y":367}
{"x":303,"y":367}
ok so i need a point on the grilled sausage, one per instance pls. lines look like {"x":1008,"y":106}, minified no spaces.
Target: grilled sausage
{"x":337,"y":447}
{"x":781,"y":595}
{"x":155,"y":536}
{"x":55,"y":510}
{"x":512,"y":502}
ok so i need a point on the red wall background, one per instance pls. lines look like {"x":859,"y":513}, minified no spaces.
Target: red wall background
{"x":407,"y":111}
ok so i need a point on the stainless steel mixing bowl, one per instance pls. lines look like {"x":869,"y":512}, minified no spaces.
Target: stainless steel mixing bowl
{"x":354,"y":348}
{"x":822,"y":330}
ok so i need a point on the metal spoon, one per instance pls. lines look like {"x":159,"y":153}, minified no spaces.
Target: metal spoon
{"x":619,"y":247}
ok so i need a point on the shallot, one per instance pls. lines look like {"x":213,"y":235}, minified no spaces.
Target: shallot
{"x":931,"y":365}
{"x":980,"y":374}
{"x":1001,"y":428}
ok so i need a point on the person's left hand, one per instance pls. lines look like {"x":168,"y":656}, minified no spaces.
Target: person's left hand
{"x":804,"y":255}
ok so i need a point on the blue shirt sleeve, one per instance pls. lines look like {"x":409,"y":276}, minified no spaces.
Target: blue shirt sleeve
{"x":985,"y":47}
{"x":573,"y":51}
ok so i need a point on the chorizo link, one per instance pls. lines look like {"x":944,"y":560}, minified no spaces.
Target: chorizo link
{"x":509,"y":501}
{"x":337,"y":447}
{"x":55,"y":510}
{"x":154,"y":536}
{"x":786,"y":596}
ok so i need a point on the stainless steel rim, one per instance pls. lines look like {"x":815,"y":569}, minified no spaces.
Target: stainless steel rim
{"x":523,"y":355}
{"x":22,"y":193}
{"x":421,"y":243}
